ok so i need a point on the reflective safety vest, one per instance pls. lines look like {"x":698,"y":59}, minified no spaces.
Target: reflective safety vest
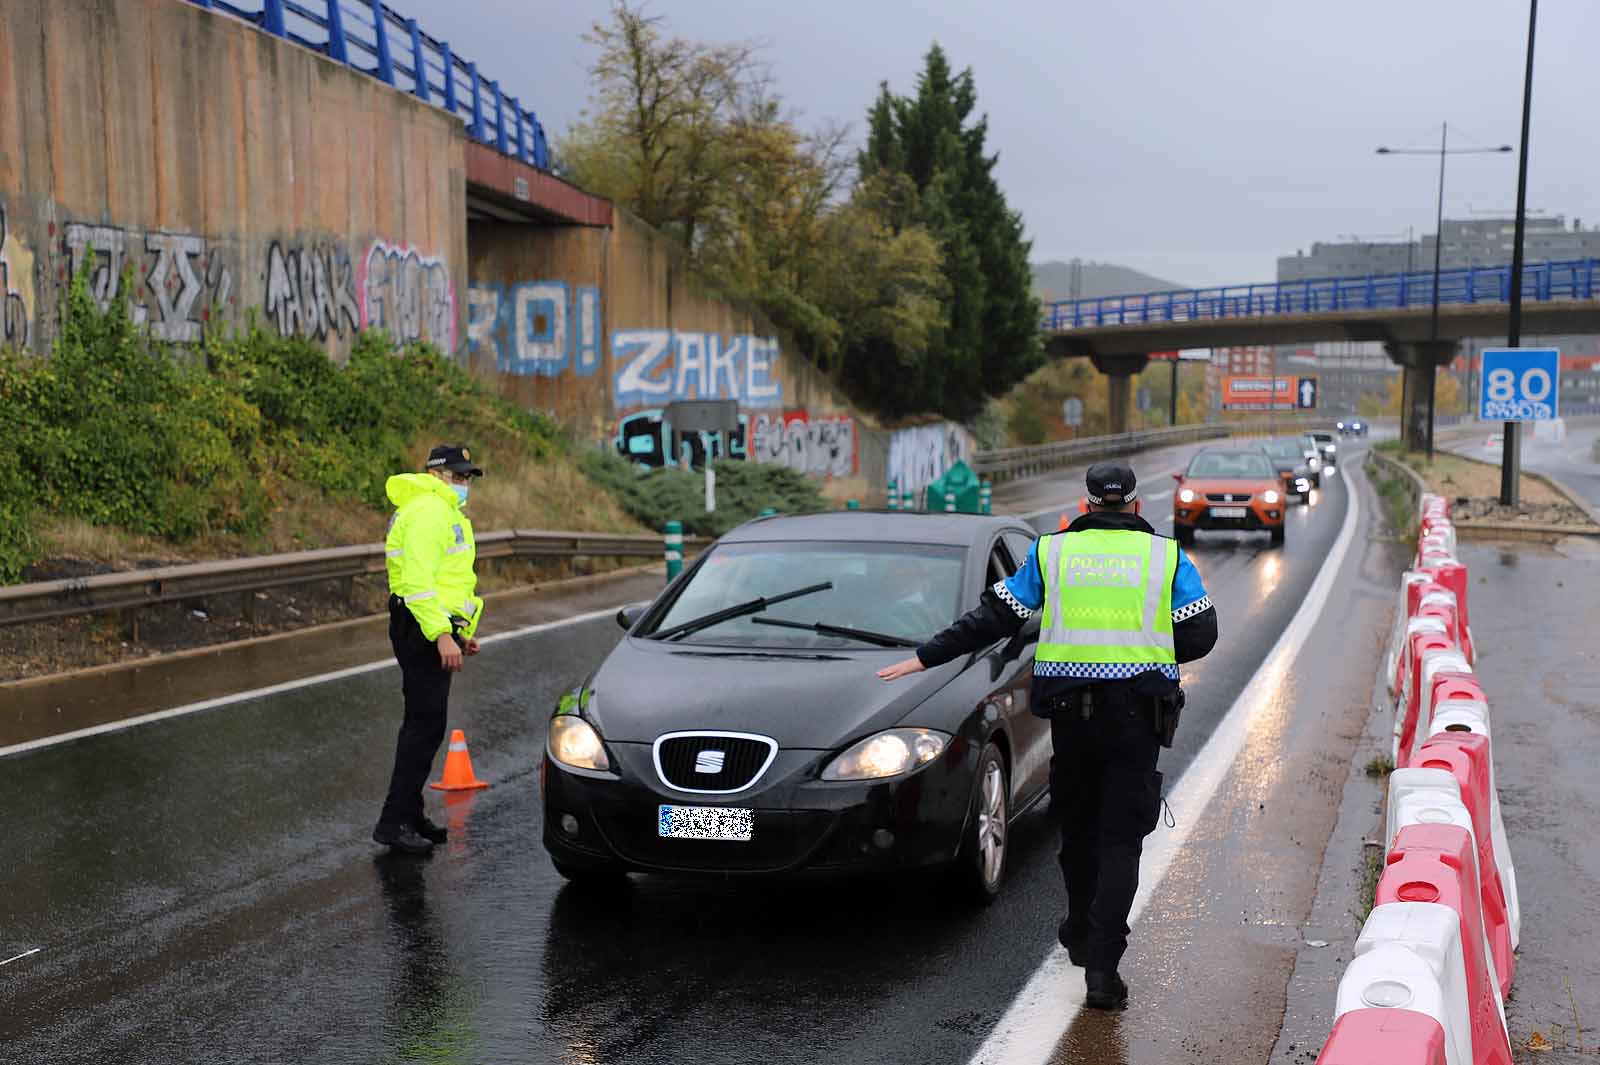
{"x":1107,"y":597}
{"x":429,"y":555}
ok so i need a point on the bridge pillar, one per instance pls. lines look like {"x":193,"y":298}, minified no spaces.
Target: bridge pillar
{"x":1420,"y":360}
{"x":1119,"y":369}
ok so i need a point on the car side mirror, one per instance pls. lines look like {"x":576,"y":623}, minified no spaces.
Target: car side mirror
{"x":629,"y":615}
{"x":1177,"y":477}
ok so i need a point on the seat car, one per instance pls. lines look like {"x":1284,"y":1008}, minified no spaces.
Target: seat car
{"x":1229,"y":488}
{"x":739,"y":728}
{"x":1351,"y":425}
{"x":1292,"y":465}
{"x":1312,"y":451}
{"x":1327,"y":445}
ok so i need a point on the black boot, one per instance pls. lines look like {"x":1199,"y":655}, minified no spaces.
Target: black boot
{"x":431,"y":832}
{"x":401,"y":838}
{"x":1106,"y":991}
{"x":1077,"y":945}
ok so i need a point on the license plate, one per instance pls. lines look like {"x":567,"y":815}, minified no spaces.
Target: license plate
{"x":1228,"y":512}
{"x":705,"y":822}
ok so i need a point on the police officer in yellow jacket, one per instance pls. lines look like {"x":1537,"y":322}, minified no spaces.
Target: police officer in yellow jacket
{"x":433,"y":618}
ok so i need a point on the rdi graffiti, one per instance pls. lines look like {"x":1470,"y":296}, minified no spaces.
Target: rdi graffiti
{"x":536,"y":327}
{"x":657,"y":365}
{"x":817,"y":446}
{"x":181,"y":277}
{"x":311,"y":291}
{"x":408,"y":295}
{"x":920,"y":455}
{"x":647,"y":439}
{"x":16,"y":304}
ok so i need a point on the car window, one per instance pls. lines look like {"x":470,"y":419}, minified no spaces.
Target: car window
{"x":907,"y":590}
{"x":1283,"y":449}
{"x":1236,"y":464}
{"x":1000,"y":565}
{"x":1020,"y":545}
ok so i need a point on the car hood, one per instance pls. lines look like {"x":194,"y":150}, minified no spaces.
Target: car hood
{"x":1231,"y":485}
{"x":802,"y":699}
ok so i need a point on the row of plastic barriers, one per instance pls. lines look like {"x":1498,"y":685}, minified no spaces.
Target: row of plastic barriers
{"x":1431,"y":968}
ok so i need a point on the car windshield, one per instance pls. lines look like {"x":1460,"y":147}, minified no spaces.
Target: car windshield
{"x":906,"y":590}
{"x":1283,"y":449}
{"x":1322,"y":438}
{"x":1242,"y":465}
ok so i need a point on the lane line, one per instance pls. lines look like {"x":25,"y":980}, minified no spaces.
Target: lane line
{"x":277,"y":689}
{"x":1046,"y":1006}
{"x":24,"y":954}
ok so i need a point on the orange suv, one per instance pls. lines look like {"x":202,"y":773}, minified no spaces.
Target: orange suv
{"x":1229,"y":488}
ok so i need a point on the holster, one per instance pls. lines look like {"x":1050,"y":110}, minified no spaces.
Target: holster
{"x":1168,"y":709}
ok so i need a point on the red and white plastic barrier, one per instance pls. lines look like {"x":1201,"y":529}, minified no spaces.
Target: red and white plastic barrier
{"x":1435,"y":957}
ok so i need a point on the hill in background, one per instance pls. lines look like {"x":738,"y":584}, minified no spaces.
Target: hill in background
{"x":1053,"y":281}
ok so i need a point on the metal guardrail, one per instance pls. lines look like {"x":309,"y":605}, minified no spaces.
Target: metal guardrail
{"x":1572,"y":279}
{"x":108,"y":592}
{"x":362,"y":32}
{"x":1010,"y":463}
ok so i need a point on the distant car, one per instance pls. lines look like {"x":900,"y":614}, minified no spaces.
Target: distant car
{"x":1313,"y":456}
{"x":1351,"y":426}
{"x":1229,"y":488}
{"x":1327,"y":444}
{"x":740,"y":730}
{"x":1292,"y":465}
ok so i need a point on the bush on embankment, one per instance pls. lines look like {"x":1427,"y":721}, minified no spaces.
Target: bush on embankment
{"x":219,"y":441}
{"x":744,"y":490}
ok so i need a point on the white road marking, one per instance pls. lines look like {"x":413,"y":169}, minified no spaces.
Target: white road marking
{"x":24,"y":954}
{"x":1047,"y":1005}
{"x":276,"y":689}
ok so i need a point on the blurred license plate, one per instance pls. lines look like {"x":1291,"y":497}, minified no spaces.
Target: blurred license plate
{"x":1228,"y":512}
{"x":705,"y":822}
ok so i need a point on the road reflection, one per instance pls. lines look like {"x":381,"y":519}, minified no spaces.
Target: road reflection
{"x":426,"y":1015}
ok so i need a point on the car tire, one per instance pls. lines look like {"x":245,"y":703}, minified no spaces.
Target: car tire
{"x":592,"y":876}
{"x":1277,"y":535}
{"x":980,"y":866}
{"x":1184,"y":534}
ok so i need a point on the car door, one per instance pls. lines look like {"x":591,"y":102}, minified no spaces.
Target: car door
{"x":1012,"y":667}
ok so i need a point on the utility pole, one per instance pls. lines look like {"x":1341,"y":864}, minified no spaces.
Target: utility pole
{"x":1511,"y":444}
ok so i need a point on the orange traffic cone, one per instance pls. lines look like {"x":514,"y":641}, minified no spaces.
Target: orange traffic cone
{"x":457,"y":767}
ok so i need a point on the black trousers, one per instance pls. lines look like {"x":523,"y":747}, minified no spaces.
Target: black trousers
{"x":426,"y":686}
{"x":1106,"y":792}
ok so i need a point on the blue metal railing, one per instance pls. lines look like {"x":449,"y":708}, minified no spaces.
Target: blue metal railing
{"x":1568,"y":280}
{"x":370,"y":36}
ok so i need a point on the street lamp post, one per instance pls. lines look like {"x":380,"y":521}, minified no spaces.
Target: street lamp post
{"x":1438,"y":244}
{"x":1511,"y":445}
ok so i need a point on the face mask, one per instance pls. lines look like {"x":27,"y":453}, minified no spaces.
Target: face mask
{"x":461,"y":492}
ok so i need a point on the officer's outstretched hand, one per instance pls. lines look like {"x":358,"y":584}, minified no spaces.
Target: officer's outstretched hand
{"x":449,"y":653}
{"x":902,"y":669}
{"x":471,"y":648}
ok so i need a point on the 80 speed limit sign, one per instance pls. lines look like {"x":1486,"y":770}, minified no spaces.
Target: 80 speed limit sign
{"x":1519,"y":384}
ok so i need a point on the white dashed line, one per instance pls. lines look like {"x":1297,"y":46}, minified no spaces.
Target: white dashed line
{"x":24,"y":954}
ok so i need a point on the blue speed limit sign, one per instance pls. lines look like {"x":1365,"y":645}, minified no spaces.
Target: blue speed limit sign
{"x":1519,"y":384}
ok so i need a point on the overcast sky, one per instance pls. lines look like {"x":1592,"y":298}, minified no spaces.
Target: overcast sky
{"x":1196,"y":140}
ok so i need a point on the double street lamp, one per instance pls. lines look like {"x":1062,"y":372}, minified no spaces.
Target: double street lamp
{"x":1443,"y":151}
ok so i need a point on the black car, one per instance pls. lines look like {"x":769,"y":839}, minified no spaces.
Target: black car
{"x":1351,"y":426}
{"x":740,"y":728}
{"x":1292,"y":465}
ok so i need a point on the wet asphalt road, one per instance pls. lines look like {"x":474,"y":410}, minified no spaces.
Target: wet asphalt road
{"x":202,"y":888}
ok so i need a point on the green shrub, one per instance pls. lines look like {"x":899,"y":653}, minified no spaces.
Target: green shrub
{"x":744,"y":490}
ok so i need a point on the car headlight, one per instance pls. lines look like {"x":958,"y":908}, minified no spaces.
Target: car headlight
{"x":1315,"y":462}
{"x":1332,"y":448}
{"x":574,"y":742}
{"x":888,"y":754}
{"x":1301,"y":484}
{"x":1269,"y":496}
{"x":1340,"y":427}
{"x":1186,"y":495}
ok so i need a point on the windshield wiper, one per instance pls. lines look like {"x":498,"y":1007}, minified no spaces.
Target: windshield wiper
{"x":864,"y":635}
{"x":738,"y":610}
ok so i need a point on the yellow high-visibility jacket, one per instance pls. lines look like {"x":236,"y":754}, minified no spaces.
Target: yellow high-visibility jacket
{"x":429,"y":554}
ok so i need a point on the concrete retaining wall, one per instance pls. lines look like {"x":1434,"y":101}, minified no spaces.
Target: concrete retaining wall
{"x":228,"y":170}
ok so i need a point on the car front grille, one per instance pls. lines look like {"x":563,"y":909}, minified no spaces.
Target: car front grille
{"x":1227,"y":497}
{"x":712,"y":762}
{"x":779,"y":839}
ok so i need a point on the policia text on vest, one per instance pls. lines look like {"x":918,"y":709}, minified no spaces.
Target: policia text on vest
{"x":433,"y":619}
{"x":1122,"y":608}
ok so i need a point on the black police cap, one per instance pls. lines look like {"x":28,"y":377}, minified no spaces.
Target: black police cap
{"x":454,"y":458}
{"x":1111,"y":483}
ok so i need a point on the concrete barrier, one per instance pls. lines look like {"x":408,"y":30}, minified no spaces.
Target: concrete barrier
{"x":1436,"y":863}
{"x":1409,"y":956}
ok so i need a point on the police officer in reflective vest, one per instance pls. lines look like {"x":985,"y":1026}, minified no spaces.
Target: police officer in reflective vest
{"x":433,"y":616}
{"x":1122,"y":607}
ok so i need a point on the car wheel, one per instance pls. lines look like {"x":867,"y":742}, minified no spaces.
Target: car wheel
{"x":596,"y":876}
{"x":1277,"y":535}
{"x":1184,"y":534}
{"x":981,"y":865}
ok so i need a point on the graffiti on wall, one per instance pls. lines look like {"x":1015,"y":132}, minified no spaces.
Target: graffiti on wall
{"x":311,"y":291}
{"x":920,"y":455}
{"x":179,"y":278}
{"x":659,"y":365}
{"x":645,"y":437}
{"x":16,"y":287}
{"x":408,"y":295}
{"x":537,"y":328}
{"x":816,"y":445}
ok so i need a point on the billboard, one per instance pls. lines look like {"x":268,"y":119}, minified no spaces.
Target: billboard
{"x":1268,"y":393}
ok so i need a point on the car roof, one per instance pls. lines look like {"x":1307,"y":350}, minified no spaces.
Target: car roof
{"x":884,"y":526}
{"x":1243,"y":449}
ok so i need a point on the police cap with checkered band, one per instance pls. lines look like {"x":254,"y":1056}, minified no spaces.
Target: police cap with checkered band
{"x":1111,"y":484}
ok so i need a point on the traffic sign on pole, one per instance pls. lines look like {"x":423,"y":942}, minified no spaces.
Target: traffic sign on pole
{"x":1519,"y":384}
{"x":1072,"y":411}
{"x":1305,"y":394}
